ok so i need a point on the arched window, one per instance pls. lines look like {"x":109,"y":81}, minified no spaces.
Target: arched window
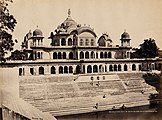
{"x":87,"y":54}
{"x":70,"y":69}
{"x":53,"y":70}
{"x":105,"y":55}
{"x":119,"y":67}
{"x":60,"y":70}
{"x":89,"y":69}
{"x":59,"y":55}
{"x":133,"y":67}
{"x":41,"y":71}
{"x":109,"y":55}
{"x":64,"y":55}
{"x":87,"y":42}
{"x":81,"y":55}
{"x":32,"y":71}
{"x":125,"y":67}
{"x":92,"y":42}
{"x":101,"y":54}
{"x":20,"y":71}
{"x":70,"y":55}
{"x":95,"y":69}
{"x":115,"y":67}
{"x":92,"y":55}
{"x":110,"y":68}
{"x":81,"y":42}
{"x":78,"y":69}
{"x":63,"y":42}
{"x":54,"y":55}
{"x":70,"y":42}
{"x":101,"y":68}
{"x":65,"y":69}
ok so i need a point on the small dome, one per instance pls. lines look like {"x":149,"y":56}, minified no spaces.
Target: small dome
{"x":37,"y":32}
{"x":125,"y":35}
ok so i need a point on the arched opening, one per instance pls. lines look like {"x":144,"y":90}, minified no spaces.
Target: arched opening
{"x":133,"y":67}
{"x":105,"y":55}
{"x":109,"y":55}
{"x":81,"y":55}
{"x":63,"y":42}
{"x":92,"y":42}
{"x":110,"y":68}
{"x":59,"y":55}
{"x":41,"y":71}
{"x":87,"y":42}
{"x":54,"y":55}
{"x":78,"y":69}
{"x":101,"y":54}
{"x":87,"y":54}
{"x":60,"y":70}
{"x":92,"y":55}
{"x":119,"y":67}
{"x":89,"y":69}
{"x":70,"y":55}
{"x":65,"y":69}
{"x":125,"y":67}
{"x":81,"y":42}
{"x":70,"y":42}
{"x":115,"y":67}
{"x":70,"y":69}
{"x":95,"y":69}
{"x":64,"y":55}
{"x":32,"y":71}
{"x":20,"y":71}
{"x":101,"y":68}
{"x":53,"y":70}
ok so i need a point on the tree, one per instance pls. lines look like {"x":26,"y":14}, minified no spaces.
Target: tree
{"x":148,"y":49}
{"x":17,"y":55}
{"x":7,"y":25}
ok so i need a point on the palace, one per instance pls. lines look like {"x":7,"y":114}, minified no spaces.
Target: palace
{"x":75,"y":49}
{"x":77,"y":73}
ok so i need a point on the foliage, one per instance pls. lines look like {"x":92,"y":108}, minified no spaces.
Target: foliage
{"x":7,"y":25}
{"x":17,"y":55}
{"x":148,"y":49}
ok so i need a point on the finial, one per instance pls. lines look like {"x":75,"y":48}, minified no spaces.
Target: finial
{"x":69,"y":12}
{"x":124,"y":30}
{"x":37,"y":26}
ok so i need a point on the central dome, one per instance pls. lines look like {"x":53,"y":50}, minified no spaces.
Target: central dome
{"x":69,"y":22}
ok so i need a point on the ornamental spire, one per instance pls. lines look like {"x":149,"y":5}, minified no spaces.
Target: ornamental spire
{"x":69,"y":12}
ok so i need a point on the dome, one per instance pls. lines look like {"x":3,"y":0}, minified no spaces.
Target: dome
{"x":125,"y":35}
{"x":37,"y":32}
{"x":68,"y":23}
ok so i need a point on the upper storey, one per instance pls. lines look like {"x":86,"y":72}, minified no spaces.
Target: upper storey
{"x":69,"y":33}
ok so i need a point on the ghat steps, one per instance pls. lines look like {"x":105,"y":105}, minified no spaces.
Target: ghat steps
{"x":62,"y":95}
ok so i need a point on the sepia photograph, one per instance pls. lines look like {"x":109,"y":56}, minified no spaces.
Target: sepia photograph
{"x":80,"y":59}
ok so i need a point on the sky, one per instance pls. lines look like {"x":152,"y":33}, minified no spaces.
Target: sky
{"x":142,"y":19}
